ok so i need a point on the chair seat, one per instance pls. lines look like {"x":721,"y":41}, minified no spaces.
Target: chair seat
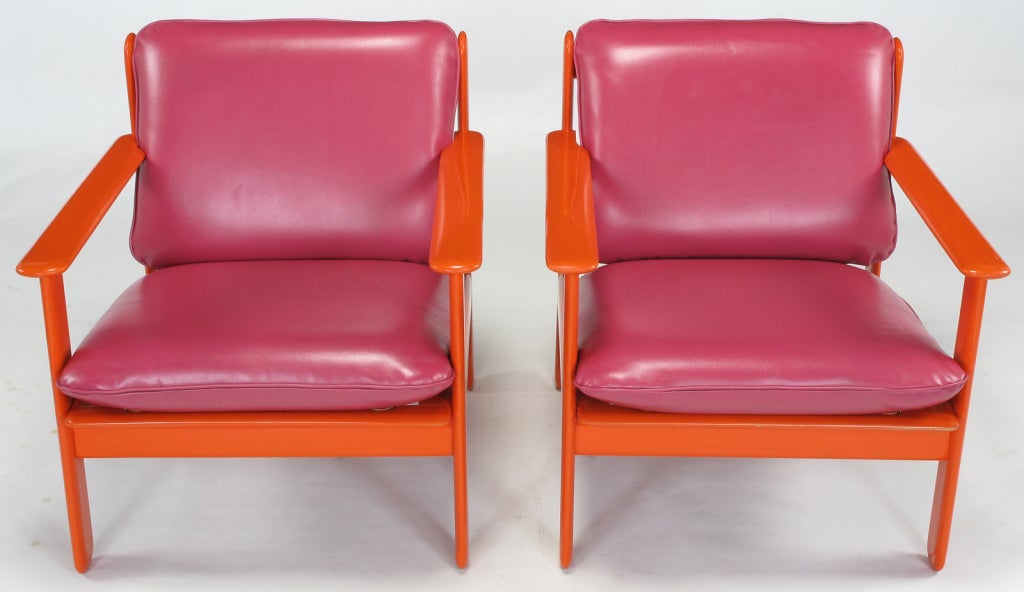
{"x":755,"y":337}
{"x":269,"y":335}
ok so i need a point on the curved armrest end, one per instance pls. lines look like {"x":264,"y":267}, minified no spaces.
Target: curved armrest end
{"x":456,"y":245}
{"x":571,"y":233}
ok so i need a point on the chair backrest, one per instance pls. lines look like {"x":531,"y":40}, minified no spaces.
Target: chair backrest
{"x":759,"y":139}
{"x":294,"y":139}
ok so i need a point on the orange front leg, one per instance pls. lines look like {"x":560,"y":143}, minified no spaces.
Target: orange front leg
{"x":58,"y":344}
{"x":570,"y":289}
{"x":456,"y":287}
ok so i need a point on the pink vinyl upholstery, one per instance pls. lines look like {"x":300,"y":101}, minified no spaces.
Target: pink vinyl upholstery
{"x":269,"y":335}
{"x":738,"y":139}
{"x":755,"y":336}
{"x":280,"y":140}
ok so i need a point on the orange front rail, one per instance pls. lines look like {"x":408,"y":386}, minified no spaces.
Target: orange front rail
{"x":960,"y":238}
{"x":64,"y":238}
{"x":571,"y":229}
{"x":410,"y":430}
{"x":456,"y":245}
{"x":912,"y":435}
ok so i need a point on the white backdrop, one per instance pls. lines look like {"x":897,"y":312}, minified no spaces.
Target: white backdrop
{"x":642,"y":523}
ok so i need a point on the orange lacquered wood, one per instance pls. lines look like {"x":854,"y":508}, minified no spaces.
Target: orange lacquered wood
{"x":913,"y":435}
{"x":571,"y":232}
{"x":456,"y":304}
{"x":968,"y":335}
{"x":76,"y":493}
{"x":568,"y":73}
{"x":129,"y":74}
{"x":965,"y":352}
{"x":570,"y":337}
{"x":897,"y":68}
{"x":64,"y":238}
{"x":410,"y":430}
{"x":959,"y":237}
{"x":558,"y":357}
{"x":571,"y":249}
{"x":456,"y":244}
{"x":463,"y":82}
{"x":470,"y":372}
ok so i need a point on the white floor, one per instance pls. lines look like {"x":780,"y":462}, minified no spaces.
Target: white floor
{"x":385,"y":524}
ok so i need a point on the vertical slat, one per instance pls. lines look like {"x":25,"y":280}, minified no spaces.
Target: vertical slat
{"x":129,"y":74}
{"x":897,"y":84}
{"x":568,"y":71}
{"x":463,"y":83}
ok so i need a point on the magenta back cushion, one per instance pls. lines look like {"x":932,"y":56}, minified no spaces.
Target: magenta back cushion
{"x":296,"y":139}
{"x":759,"y":139}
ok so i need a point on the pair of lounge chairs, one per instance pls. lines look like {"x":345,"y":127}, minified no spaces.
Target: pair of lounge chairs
{"x":309,"y":222}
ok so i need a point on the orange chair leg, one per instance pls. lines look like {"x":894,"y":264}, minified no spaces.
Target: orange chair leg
{"x":571,"y":303}
{"x":965,"y":351}
{"x":942,"y":504}
{"x":77,"y":496}
{"x":566,"y":513}
{"x":456,"y":284}
{"x":469,"y":360}
{"x":461,"y":504}
{"x":58,"y":346}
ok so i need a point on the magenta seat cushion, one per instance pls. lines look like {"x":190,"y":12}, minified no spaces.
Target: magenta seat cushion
{"x":290,"y":139}
{"x":269,"y":335}
{"x":752,"y":139}
{"x":755,"y":336}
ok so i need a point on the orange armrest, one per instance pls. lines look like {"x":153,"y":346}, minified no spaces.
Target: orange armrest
{"x":571,"y":231}
{"x":959,"y":237}
{"x":62,"y":240}
{"x":456,"y":245}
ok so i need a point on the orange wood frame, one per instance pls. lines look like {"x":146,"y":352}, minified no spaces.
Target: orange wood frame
{"x":594,"y":428}
{"x":436,"y":427}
